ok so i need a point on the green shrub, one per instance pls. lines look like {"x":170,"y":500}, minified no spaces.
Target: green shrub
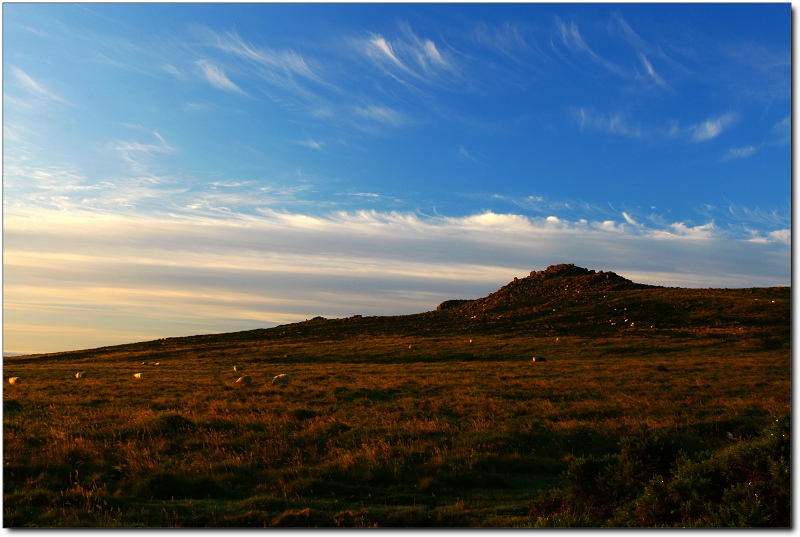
{"x":651,"y":483}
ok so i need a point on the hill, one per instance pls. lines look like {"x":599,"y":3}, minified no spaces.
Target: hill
{"x":541,"y":288}
{"x":566,"y":300}
{"x":438,"y":418}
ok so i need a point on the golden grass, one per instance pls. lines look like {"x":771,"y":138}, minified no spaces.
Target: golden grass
{"x":367,"y":432}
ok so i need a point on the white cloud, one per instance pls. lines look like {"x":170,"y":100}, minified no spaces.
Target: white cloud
{"x":217,"y":78}
{"x":783,"y":125}
{"x":137,"y":154}
{"x":628,"y":218}
{"x":573,"y":40}
{"x":741,"y":152}
{"x":615,"y":123}
{"x":381,"y":114}
{"x":195,"y":273}
{"x":509,"y":39}
{"x":783,"y":236}
{"x":173,"y":71}
{"x":711,"y":128}
{"x":34,"y":88}
{"x":278,"y":67}
{"x":380,"y":49}
{"x":651,"y":72}
{"x":464,"y":154}
{"x":313,"y":144}
{"x":612,"y":123}
{"x":703,"y":231}
{"x":409,"y":58}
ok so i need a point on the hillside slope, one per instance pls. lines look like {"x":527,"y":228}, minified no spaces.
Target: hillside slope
{"x":561,"y":301}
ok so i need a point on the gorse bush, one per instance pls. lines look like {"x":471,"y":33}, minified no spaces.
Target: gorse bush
{"x":650,"y":482}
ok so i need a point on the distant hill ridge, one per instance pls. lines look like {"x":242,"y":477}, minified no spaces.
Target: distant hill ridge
{"x":541,"y":286}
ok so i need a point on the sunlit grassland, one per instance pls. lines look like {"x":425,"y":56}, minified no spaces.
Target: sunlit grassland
{"x":369,"y":431}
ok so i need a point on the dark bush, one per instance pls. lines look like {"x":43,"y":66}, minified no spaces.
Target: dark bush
{"x":168,"y":485}
{"x":651,"y":483}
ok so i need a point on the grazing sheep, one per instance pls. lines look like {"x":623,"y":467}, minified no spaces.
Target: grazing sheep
{"x":411,"y":346}
{"x":281,"y":379}
{"x":144,"y":363}
{"x":244,"y":380}
{"x":539,"y":359}
{"x":14,"y":380}
{"x":238,"y":368}
{"x":137,"y":375}
{"x":81,"y":375}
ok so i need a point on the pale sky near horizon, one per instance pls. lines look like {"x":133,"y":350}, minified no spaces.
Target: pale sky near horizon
{"x":178,"y":169}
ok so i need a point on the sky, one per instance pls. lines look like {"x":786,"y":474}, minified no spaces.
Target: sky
{"x":178,"y":169}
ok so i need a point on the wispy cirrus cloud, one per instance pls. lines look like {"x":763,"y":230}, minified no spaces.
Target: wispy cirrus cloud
{"x":616,"y":123}
{"x":287,"y":62}
{"x":381,"y":114}
{"x":135,"y":153}
{"x":712,"y":127}
{"x":312,"y":144}
{"x":741,"y":152}
{"x":775,"y":218}
{"x":217,"y":78}
{"x":782,"y":131}
{"x":509,"y":39}
{"x":35,"y":88}
{"x":571,"y":38}
{"x":763,"y":73}
{"x":284,"y":70}
{"x":650,"y":72}
{"x":408,"y":58}
{"x":611,"y":123}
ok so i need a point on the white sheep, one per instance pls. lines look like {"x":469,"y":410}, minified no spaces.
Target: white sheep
{"x":14,"y":380}
{"x":137,"y":375}
{"x":281,"y":379}
{"x":81,"y":375}
{"x":244,"y":380}
{"x":238,"y":368}
{"x":539,"y":359}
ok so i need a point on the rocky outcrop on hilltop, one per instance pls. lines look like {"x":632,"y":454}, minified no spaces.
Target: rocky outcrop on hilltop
{"x":555,"y":283}
{"x":449,"y":304}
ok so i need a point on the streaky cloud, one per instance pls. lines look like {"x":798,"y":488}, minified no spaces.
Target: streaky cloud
{"x":409,"y":59}
{"x":741,"y":152}
{"x":611,"y":123}
{"x":245,"y":271}
{"x":651,"y":72}
{"x":509,"y":39}
{"x":712,"y":127}
{"x":279,"y":67}
{"x":380,"y":114}
{"x":572,"y":39}
{"x":35,"y":88}
{"x":312,"y":144}
{"x":135,"y":153}
{"x":217,"y":78}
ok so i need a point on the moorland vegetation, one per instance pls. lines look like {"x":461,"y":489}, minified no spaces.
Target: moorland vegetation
{"x":656,"y":407}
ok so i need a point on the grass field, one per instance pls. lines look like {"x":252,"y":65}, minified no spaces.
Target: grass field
{"x":384,"y":423}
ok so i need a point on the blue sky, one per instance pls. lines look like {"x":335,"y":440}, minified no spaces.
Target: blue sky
{"x":174,"y":169}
